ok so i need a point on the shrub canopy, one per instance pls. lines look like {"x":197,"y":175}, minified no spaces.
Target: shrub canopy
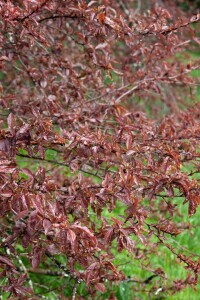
{"x":99,"y":137}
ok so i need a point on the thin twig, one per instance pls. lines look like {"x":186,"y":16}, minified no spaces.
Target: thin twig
{"x":152,"y":79}
{"x":31,"y":13}
{"x":57,"y":163}
{"x":60,"y":16}
{"x":74,"y":290}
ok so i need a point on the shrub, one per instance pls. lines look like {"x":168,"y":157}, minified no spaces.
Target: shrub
{"x":99,"y":138}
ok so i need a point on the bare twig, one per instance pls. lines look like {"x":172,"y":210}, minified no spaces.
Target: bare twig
{"x":74,"y":290}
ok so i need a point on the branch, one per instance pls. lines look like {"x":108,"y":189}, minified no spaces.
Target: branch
{"x":60,"y":16}
{"x":34,"y":11}
{"x":169,"y":29}
{"x":145,"y":281}
{"x":46,"y":272}
{"x":153,"y":79}
{"x":65,"y":271}
{"x":74,"y":291}
{"x":193,"y":20}
{"x":57,"y":163}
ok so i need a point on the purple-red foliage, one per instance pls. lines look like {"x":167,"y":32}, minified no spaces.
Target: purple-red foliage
{"x":77,"y":77}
